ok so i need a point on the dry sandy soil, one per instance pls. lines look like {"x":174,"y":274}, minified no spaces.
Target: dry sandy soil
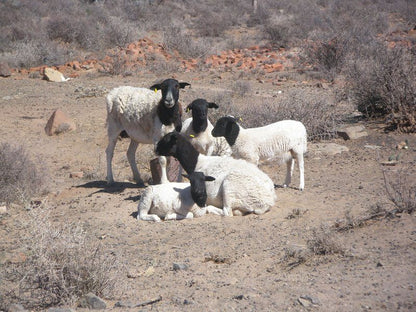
{"x":232,"y":263}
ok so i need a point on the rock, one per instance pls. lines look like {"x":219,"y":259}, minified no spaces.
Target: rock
{"x":352,"y":133}
{"x":5,"y":70}
{"x":53,"y":75}
{"x":373,"y":147}
{"x":60,"y":310}
{"x":172,"y":170}
{"x":3,"y":210}
{"x":77,"y":174}
{"x":91,"y":301}
{"x":402,"y":145}
{"x":58,"y":123}
{"x":308,"y":301}
{"x":179,"y":266}
{"x":329,"y":148}
{"x":16,"y":307}
{"x":125,"y":304}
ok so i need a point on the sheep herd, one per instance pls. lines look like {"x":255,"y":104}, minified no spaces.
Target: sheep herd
{"x":221,"y":161}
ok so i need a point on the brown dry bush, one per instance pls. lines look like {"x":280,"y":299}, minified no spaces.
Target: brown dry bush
{"x":21,"y":178}
{"x":401,"y":188}
{"x":63,"y":263}
{"x":382,"y":84}
{"x":317,"y":111}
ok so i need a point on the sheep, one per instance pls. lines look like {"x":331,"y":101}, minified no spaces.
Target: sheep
{"x":197,"y":130}
{"x":176,"y":201}
{"x":239,"y":187}
{"x":145,"y":116}
{"x":286,"y":139}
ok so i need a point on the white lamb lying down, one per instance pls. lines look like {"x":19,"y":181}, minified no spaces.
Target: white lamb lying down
{"x":176,"y":201}
{"x":239,"y":187}
{"x":197,"y":130}
{"x":286,"y":139}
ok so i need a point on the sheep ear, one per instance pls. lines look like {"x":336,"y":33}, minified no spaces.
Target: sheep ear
{"x":155,"y":87}
{"x":183,"y":84}
{"x":188,"y":108}
{"x":209,"y":178}
{"x":212,"y":105}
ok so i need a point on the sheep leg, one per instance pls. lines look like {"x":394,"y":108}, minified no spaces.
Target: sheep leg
{"x":175,"y":216}
{"x":112,"y":141}
{"x":290,"y":165}
{"x":131,"y":156}
{"x":148,"y":217}
{"x":163,"y":163}
{"x":214,"y":210}
{"x":301,"y":171}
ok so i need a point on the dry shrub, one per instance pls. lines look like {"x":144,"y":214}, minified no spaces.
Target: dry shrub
{"x":62,"y":264}
{"x":323,"y":242}
{"x":401,"y":188}
{"x":382,"y":84}
{"x":315,"y":110}
{"x":175,"y":38}
{"x":21,"y":178}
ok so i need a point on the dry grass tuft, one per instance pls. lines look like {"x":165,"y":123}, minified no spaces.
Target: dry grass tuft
{"x":21,"y":178}
{"x":62,"y":264}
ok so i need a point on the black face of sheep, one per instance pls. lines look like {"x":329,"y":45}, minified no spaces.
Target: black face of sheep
{"x":199,"y":109}
{"x":198,"y":187}
{"x":170,"y":91}
{"x":167,"y":145}
{"x":223,"y":126}
{"x":226,"y":127}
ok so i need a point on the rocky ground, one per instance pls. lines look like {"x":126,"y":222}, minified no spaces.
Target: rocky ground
{"x":323,"y":249}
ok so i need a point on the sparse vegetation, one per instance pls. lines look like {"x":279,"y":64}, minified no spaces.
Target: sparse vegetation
{"x":62,"y":264}
{"x":401,"y":189}
{"x":21,"y":178}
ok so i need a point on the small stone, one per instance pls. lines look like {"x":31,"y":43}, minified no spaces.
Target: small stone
{"x":179,"y":266}
{"x":125,"y":304}
{"x":91,"y":301}
{"x":60,"y":310}
{"x":77,"y":174}
{"x":16,"y":307}
{"x":402,"y":145}
{"x":3,"y":210}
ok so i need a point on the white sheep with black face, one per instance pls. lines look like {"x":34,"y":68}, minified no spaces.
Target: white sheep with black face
{"x":197,"y":130}
{"x":176,"y":201}
{"x":145,"y":115}
{"x":239,"y":187}
{"x":285,"y":140}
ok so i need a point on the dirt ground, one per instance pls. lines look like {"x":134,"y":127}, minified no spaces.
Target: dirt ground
{"x":228,"y":263}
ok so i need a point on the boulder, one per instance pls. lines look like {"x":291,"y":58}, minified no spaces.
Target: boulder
{"x":91,"y":301}
{"x":58,"y":123}
{"x":352,"y":132}
{"x":5,"y":70}
{"x":328,"y":148}
{"x":53,"y":75}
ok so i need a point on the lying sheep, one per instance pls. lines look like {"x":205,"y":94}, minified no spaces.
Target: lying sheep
{"x":239,"y":187}
{"x":286,"y":139}
{"x":175,"y":201}
{"x":198,"y":130}
{"x":145,"y":115}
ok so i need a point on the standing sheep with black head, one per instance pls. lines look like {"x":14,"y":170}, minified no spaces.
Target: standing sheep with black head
{"x":145,"y":115}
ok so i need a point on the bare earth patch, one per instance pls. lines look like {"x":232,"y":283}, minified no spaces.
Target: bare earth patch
{"x":250,"y":263}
